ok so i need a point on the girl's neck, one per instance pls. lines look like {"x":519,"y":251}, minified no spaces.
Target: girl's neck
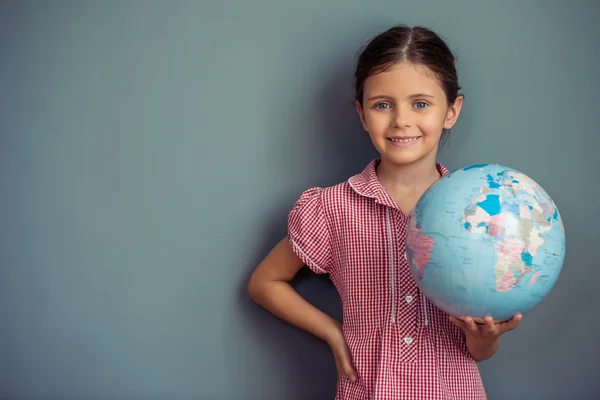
{"x":417,"y":176}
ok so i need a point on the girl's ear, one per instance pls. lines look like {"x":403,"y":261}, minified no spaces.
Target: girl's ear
{"x":453,"y":112}
{"x":361,"y":114}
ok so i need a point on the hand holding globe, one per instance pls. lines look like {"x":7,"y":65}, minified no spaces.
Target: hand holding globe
{"x":482,"y":339}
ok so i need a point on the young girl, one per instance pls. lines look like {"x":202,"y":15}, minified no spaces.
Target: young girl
{"x":394,"y":343}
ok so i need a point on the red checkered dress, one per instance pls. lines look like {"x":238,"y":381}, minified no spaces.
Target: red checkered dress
{"x":403,"y":347}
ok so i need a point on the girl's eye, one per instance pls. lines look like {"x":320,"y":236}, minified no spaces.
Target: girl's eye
{"x":382,"y":106}
{"x":420,"y":105}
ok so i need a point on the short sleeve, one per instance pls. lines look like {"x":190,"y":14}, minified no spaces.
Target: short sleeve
{"x":308,"y":231}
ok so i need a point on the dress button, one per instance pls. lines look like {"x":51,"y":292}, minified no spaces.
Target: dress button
{"x":408,"y":340}
{"x":408,"y":298}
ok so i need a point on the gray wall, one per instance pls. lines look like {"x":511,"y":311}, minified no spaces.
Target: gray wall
{"x":150,"y":152}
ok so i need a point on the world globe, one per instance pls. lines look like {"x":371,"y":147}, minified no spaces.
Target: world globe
{"x":485,"y":240}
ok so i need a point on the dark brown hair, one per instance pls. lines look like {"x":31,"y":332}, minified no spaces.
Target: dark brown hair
{"x":417,"y":45}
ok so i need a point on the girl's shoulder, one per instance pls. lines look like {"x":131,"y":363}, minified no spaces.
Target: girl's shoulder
{"x":360,"y":186}
{"x":330,"y":199}
{"x":334,"y":199}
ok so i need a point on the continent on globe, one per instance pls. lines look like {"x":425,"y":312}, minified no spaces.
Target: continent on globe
{"x":515,"y":211}
{"x":420,"y":246}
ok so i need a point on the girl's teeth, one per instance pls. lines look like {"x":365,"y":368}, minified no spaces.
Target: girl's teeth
{"x":403,"y":140}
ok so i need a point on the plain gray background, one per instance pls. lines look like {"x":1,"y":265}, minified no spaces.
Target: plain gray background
{"x":150,"y":152}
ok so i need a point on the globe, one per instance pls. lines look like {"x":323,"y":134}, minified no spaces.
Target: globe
{"x":485,"y":240}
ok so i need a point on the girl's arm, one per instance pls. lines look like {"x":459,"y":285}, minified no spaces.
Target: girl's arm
{"x":269,"y":287}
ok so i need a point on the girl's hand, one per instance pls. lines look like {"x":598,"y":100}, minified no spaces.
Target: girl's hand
{"x":341,"y":353}
{"x":487,"y":330}
{"x":483,"y":339}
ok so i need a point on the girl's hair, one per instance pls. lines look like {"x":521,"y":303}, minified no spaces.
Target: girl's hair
{"x":417,"y":45}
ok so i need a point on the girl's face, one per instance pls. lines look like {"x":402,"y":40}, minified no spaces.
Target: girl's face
{"x":404,"y":111}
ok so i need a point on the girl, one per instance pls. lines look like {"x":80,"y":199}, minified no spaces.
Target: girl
{"x":393,"y":343}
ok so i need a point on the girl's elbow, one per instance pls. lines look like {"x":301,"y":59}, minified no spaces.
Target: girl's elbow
{"x":255,"y":285}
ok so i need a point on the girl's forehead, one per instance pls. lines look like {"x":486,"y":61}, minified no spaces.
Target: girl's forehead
{"x":404,"y":77}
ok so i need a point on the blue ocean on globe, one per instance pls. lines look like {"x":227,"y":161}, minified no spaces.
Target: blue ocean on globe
{"x":485,"y":240}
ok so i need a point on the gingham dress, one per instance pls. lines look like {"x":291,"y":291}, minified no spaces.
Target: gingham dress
{"x":403,"y":347}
